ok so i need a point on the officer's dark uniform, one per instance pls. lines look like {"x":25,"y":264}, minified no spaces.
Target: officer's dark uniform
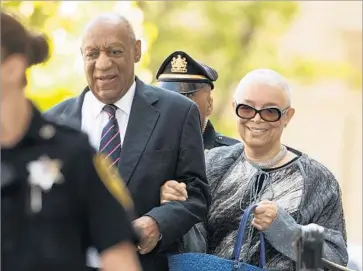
{"x":181,"y":73}
{"x":58,"y":199}
{"x":212,"y":139}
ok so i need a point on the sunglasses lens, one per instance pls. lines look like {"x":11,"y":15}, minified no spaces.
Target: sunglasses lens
{"x":270,"y":114}
{"x":245,"y":111}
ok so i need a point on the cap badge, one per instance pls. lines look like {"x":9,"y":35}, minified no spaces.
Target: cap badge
{"x":179,"y":64}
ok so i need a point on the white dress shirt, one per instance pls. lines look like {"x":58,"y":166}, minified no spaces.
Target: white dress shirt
{"x":94,"y":119}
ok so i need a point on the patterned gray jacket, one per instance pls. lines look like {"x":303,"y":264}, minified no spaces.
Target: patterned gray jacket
{"x":321,"y":204}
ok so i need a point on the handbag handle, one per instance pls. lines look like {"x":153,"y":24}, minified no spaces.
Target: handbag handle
{"x":240,"y":237}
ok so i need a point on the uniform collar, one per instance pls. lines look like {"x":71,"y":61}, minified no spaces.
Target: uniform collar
{"x":209,"y":136}
{"x":36,"y":123}
{"x":32,"y":132}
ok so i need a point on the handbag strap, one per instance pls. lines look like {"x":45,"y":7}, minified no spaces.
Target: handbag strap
{"x":240,"y":237}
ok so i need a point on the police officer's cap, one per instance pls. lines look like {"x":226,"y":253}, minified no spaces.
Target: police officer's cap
{"x":180,"y":72}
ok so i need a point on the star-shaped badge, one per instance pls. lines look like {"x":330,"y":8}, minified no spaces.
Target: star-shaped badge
{"x":47,"y":131}
{"x":45,"y":172}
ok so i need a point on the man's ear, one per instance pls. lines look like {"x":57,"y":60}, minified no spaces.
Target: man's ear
{"x":210,"y":106}
{"x":137,"y":50}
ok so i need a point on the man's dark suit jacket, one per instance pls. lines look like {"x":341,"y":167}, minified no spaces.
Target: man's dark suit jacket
{"x":163,"y":141}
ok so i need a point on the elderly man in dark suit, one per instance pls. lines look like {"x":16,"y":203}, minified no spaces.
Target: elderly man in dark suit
{"x":151,"y":135}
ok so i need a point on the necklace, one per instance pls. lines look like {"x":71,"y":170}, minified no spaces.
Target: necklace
{"x":269,"y":163}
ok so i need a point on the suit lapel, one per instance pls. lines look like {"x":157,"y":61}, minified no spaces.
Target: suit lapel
{"x":142,"y":120}
{"x":74,"y":110}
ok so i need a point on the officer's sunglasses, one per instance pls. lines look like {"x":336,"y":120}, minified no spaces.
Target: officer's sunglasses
{"x":269,"y":114}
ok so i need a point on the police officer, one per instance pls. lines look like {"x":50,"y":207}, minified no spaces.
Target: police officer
{"x":57,"y":196}
{"x":181,"y":73}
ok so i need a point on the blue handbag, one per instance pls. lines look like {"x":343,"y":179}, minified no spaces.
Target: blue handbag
{"x":206,"y":262}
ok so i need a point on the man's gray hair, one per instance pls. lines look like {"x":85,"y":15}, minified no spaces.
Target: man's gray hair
{"x":264,"y":77}
{"x":113,"y":17}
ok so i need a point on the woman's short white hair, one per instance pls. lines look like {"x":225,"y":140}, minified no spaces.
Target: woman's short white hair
{"x":266,"y":77}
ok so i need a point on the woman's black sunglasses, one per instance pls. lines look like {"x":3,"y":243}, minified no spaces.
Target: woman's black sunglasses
{"x":269,"y":114}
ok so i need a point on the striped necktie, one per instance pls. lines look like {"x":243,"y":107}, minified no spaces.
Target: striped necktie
{"x":110,"y":139}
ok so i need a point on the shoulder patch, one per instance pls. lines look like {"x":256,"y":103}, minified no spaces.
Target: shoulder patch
{"x":112,"y":180}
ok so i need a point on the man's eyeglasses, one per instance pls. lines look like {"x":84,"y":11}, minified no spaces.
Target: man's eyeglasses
{"x":269,"y":114}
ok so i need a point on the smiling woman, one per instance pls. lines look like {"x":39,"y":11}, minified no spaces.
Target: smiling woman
{"x":263,"y":108}
{"x":291,"y":189}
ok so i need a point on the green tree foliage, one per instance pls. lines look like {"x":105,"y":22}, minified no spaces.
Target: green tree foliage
{"x":234,"y":38}
{"x":231,"y":36}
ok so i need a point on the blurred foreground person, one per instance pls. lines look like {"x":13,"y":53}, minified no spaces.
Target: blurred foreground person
{"x":292,"y":190}
{"x":57,"y":196}
{"x":181,"y":73}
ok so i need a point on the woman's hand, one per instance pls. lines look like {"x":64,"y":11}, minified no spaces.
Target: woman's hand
{"x":173,"y":190}
{"x":265,"y":213}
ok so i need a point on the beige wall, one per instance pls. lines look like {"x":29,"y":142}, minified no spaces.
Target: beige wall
{"x":328,"y":127}
{"x":324,"y":30}
{"x":328,"y":122}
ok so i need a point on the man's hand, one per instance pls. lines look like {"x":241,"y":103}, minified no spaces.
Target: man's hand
{"x":121,"y":257}
{"x":173,"y":190}
{"x":265,"y":213}
{"x":149,"y":231}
